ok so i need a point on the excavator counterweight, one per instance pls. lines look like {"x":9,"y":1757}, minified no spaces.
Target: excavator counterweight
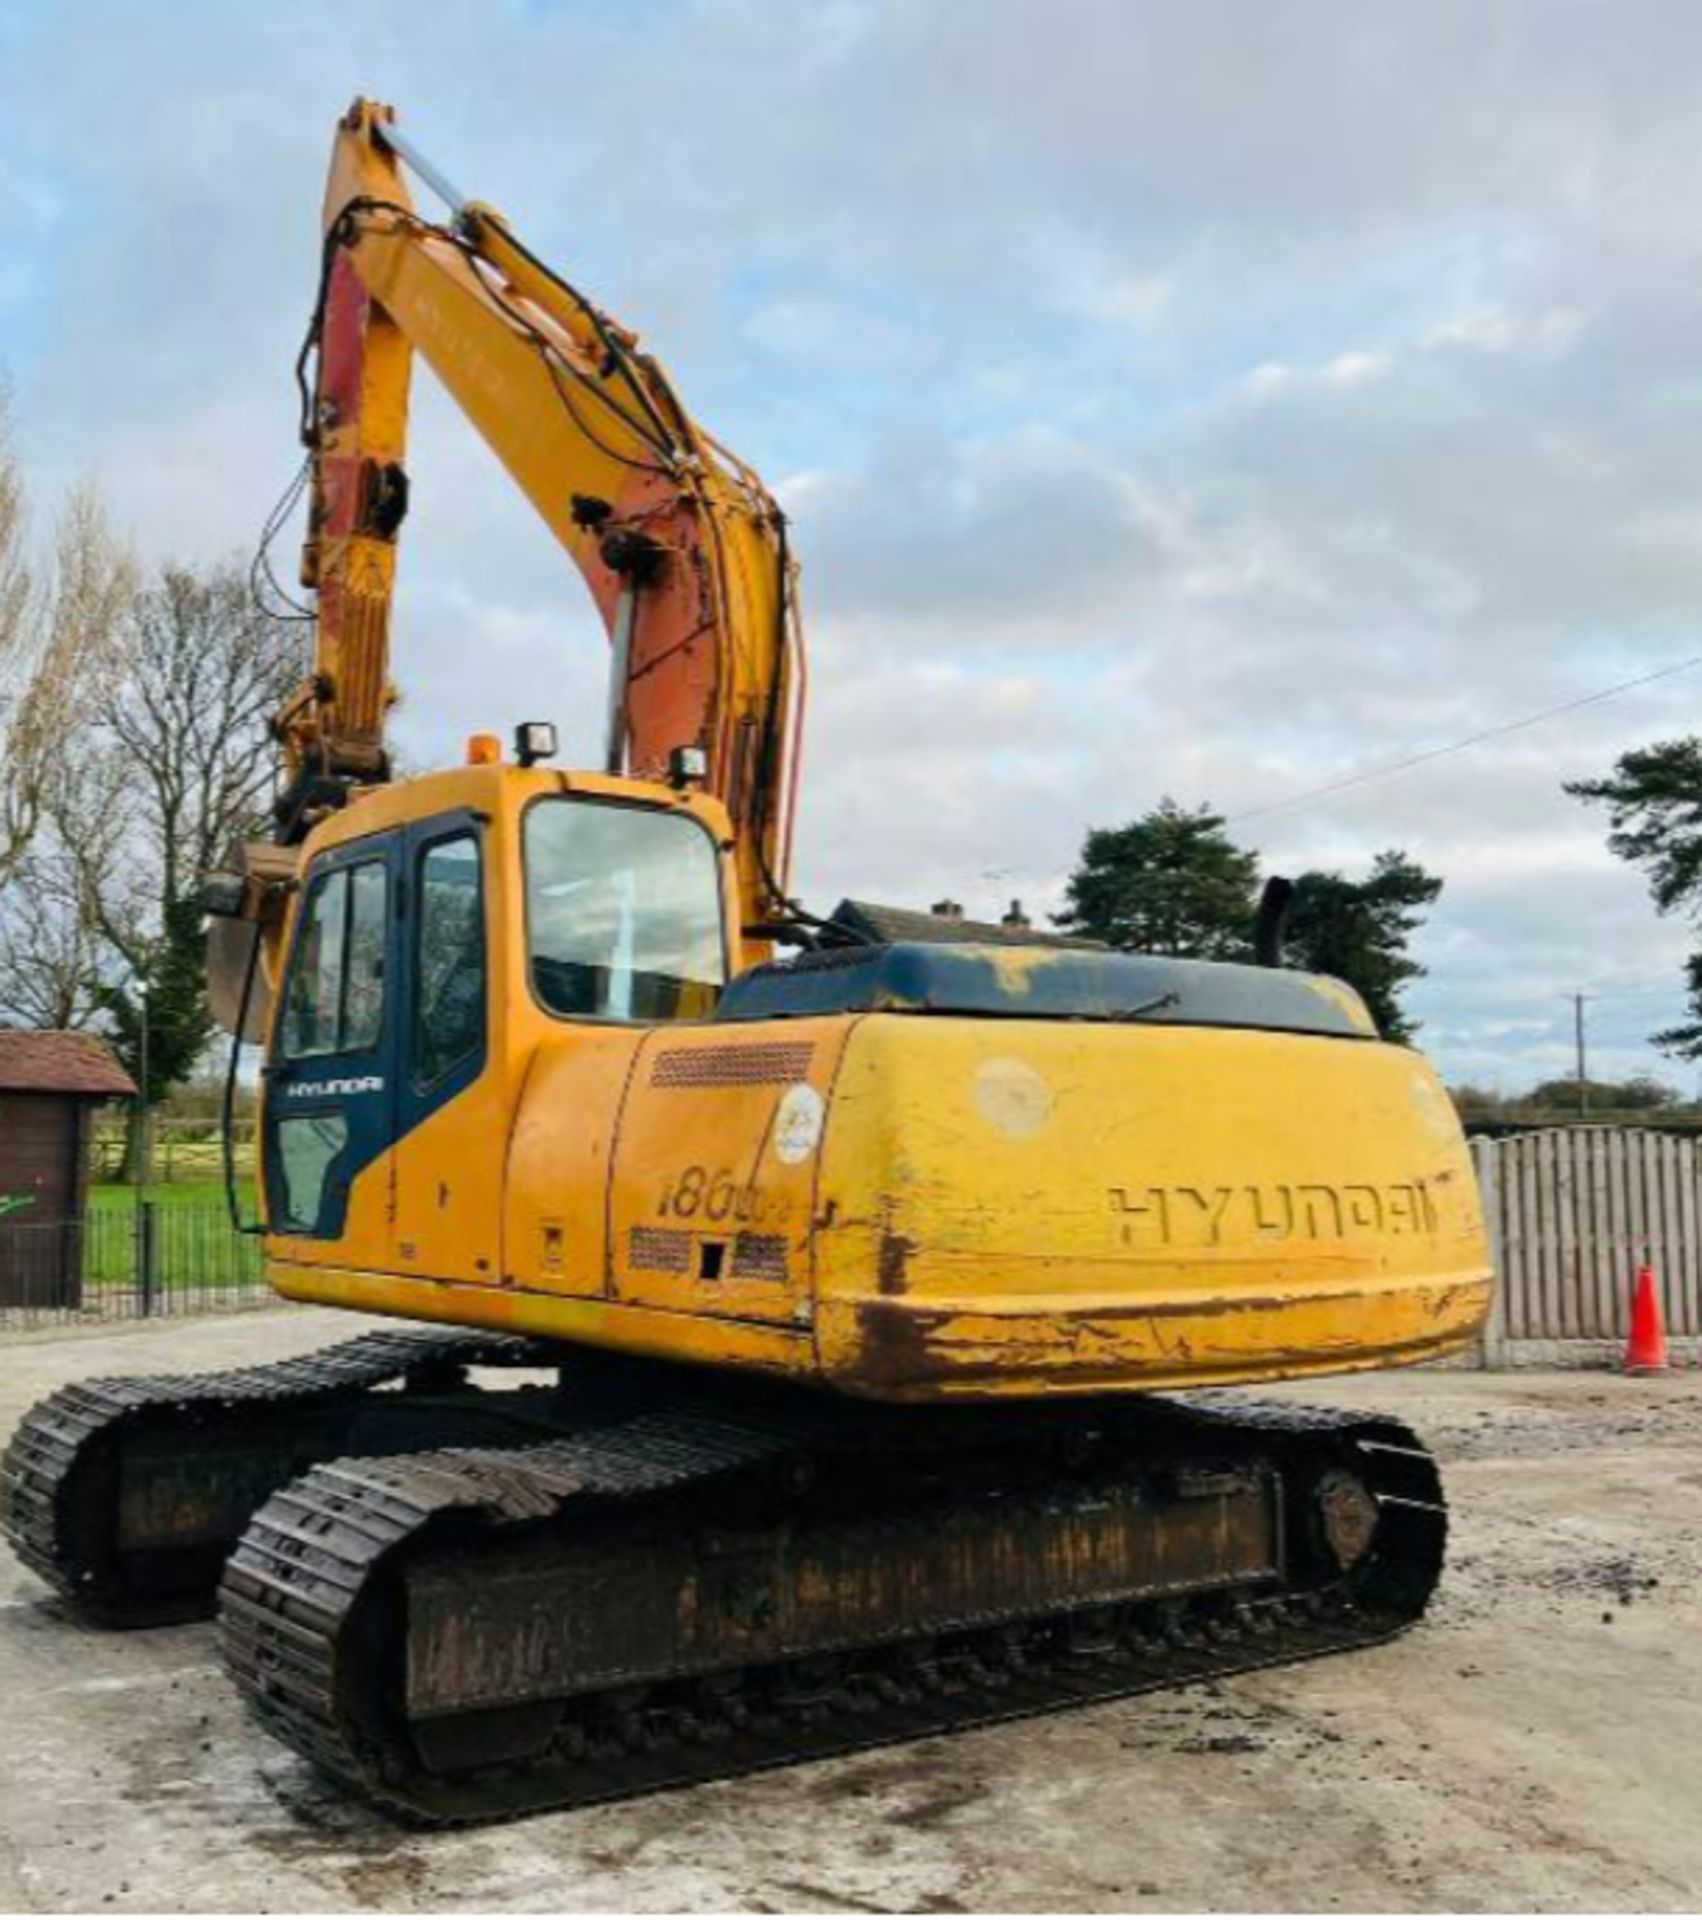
{"x":813,"y":1346}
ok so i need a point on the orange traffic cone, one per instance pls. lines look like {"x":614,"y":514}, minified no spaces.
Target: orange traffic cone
{"x":1646,"y":1350}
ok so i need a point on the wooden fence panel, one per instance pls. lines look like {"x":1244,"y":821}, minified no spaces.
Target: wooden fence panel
{"x":1684,"y":1276}
{"x":1607,"y":1154}
{"x":1573,"y":1212}
{"x":1526,"y":1270}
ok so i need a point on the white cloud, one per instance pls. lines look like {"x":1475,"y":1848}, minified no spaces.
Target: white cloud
{"x":1204,"y":400}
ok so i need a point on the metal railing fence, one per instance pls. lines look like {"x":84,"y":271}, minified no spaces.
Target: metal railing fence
{"x":127,"y":1262}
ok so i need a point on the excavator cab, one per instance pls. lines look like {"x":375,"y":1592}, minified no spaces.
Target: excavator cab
{"x":440,"y":929}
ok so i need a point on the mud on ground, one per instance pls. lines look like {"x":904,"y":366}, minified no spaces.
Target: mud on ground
{"x":1537,"y":1743}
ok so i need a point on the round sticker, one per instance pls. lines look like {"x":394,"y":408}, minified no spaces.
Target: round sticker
{"x":1013,"y":1097}
{"x":797,"y":1126}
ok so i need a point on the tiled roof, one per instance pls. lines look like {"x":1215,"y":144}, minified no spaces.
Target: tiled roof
{"x":889,"y":924}
{"x":60,"y":1063}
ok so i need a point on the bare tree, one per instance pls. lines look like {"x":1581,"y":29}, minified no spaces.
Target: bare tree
{"x":58,"y":626}
{"x":178,"y":763}
{"x":181,"y":761}
{"x":135,"y":747}
{"x":19,"y":810}
{"x":50,"y":948}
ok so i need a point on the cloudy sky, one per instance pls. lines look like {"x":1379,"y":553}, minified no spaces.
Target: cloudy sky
{"x":1203,"y":399}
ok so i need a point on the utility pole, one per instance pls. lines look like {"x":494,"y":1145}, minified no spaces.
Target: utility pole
{"x":145,"y":1130}
{"x":1578,"y":1000}
{"x":147,"y":1245}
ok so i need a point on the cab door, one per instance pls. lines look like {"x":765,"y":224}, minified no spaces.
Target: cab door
{"x":329,"y":1098}
{"x":451,"y":1118}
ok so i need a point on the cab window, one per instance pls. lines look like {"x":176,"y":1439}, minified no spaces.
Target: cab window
{"x":335,"y":999}
{"x":449,"y":1001}
{"x":308,"y":1147}
{"x":623,"y":912}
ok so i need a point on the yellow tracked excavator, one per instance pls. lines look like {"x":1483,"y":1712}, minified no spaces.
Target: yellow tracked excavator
{"x":809,"y":1341}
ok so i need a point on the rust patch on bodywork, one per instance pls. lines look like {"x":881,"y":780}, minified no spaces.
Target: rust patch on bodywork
{"x":896,"y":1249}
{"x":905,"y":1346}
{"x":895,"y":1345}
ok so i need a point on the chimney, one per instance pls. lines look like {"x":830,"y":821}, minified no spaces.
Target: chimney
{"x":947,"y":910}
{"x":1016,"y":921}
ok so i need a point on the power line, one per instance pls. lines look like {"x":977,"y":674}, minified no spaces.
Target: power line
{"x":1390,"y":767}
{"x":1673,"y":989}
{"x":1634,"y":982}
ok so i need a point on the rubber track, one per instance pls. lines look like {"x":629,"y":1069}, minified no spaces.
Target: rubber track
{"x":293,"y":1588}
{"x":64,"y":1431}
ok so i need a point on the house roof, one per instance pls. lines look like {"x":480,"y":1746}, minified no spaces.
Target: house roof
{"x":891,"y":925}
{"x":60,"y":1063}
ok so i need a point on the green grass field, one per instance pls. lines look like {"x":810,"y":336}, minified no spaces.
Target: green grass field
{"x":195,"y":1247}
{"x":115,"y":1197}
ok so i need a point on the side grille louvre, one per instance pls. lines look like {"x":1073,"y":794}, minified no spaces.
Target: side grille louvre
{"x":760,"y":1256}
{"x":774,"y":1063}
{"x":659,"y":1250}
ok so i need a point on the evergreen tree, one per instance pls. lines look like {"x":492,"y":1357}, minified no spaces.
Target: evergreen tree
{"x":1359,"y":931}
{"x":1170,"y":882}
{"x":173,"y":996}
{"x":1173,"y":882}
{"x":1654,"y":801}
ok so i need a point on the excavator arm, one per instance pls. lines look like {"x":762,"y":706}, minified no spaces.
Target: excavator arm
{"x":682,"y":547}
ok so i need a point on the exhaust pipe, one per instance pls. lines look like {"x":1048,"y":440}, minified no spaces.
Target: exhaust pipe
{"x":1270,"y":923}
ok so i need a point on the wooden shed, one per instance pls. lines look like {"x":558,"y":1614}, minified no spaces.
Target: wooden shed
{"x":49,"y":1085}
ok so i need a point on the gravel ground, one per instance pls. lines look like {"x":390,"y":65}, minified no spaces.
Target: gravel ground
{"x":1535,"y":1744}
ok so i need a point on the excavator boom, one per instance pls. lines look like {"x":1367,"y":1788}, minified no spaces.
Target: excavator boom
{"x":683,"y":548}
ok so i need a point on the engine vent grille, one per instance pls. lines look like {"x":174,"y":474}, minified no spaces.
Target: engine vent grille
{"x":774,"y":1063}
{"x":658,"y":1250}
{"x":760,"y":1256}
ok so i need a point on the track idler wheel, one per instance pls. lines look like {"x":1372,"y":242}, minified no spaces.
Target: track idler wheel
{"x":1346,"y":1515}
